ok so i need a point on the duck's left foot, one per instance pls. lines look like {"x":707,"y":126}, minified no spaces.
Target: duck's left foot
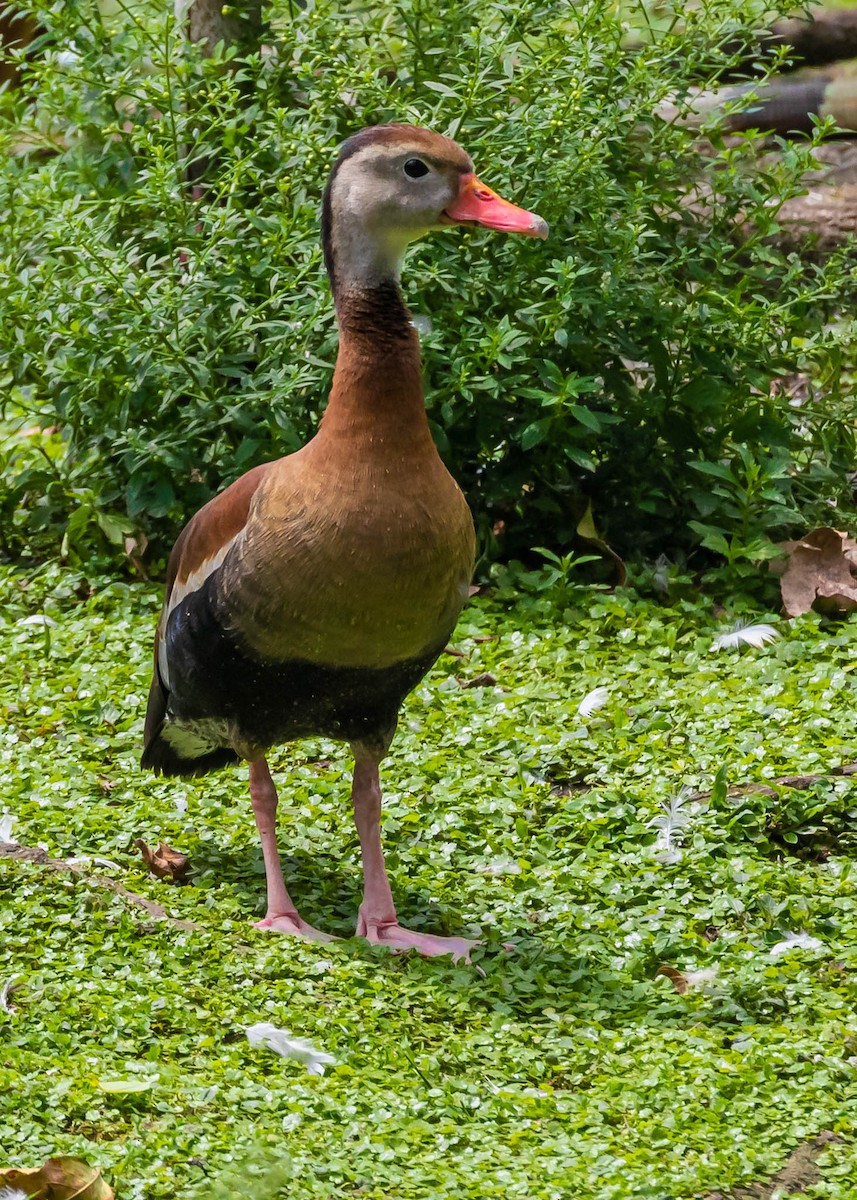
{"x":399,"y":939}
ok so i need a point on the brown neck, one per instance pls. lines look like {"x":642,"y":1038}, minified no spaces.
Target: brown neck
{"x":377,"y":393}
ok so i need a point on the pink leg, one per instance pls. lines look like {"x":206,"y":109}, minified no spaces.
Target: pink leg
{"x":377,"y":920}
{"x":282,"y":915}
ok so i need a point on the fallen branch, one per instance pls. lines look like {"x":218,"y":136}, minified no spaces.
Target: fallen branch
{"x":34,"y":854}
{"x":799,"y":782}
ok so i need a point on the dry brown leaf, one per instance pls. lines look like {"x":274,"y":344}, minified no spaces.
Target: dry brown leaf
{"x":819,"y":574}
{"x":135,"y":548}
{"x":587,"y":531}
{"x":674,"y":976}
{"x":164,"y":862}
{"x":58,"y":1179}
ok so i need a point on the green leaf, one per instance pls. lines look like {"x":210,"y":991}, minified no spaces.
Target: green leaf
{"x":536,"y":432}
{"x":118,"y":1087}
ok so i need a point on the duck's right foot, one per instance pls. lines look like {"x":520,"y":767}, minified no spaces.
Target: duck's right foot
{"x":294,"y":924}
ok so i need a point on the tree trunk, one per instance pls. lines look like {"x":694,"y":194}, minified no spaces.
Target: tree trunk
{"x":16,"y":31}
{"x":212,"y":21}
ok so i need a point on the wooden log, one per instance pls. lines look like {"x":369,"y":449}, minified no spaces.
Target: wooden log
{"x":794,"y":105}
{"x":824,"y":36}
{"x":788,"y":105}
{"x":820,"y":221}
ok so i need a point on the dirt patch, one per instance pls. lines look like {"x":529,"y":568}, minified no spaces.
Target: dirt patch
{"x":569,"y":787}
{"x":799,"y":1173}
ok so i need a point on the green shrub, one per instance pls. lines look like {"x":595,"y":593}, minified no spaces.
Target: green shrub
{"x":175,"y":342}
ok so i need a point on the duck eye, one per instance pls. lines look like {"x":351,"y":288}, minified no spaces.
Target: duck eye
{"x":415,"y":168}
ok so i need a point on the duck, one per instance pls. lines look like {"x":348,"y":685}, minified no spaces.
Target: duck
{"x":316,"y":591}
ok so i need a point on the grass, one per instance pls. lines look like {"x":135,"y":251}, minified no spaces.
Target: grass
{"x":566,"y":1068}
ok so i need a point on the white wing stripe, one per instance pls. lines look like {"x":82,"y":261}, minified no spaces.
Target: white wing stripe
{"x":184,"y":588}
{"x":198,"y":577}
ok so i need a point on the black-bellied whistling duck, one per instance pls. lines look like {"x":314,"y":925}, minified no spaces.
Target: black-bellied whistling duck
{"x":314,"y":593}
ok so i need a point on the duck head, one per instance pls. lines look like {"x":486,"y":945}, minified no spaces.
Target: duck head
{"x":394,"y":183}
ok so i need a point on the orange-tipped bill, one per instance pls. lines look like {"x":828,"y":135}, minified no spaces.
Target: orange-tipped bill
{"x":477,"y":204}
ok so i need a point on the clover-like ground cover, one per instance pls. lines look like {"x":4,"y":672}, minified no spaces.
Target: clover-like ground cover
{"x":566,"y":1068}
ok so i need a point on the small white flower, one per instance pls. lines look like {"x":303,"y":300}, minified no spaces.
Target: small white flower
{"x":180,"y":801}
{"x":593,"y":700}
{"x":282,"y":1042}
{"x":744,"y":633}
{"x":8,"y":1193}
{"x":37,"y":619}
{"x":6,"y":823}
{"x":795,"y":941}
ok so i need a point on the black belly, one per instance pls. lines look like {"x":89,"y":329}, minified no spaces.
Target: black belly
{"x":215,"y":678}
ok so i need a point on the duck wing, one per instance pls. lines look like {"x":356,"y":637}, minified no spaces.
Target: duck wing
{"x":199,"y":551}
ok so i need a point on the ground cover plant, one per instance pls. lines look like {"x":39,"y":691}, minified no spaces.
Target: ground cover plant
{"x":164,"y":343}
{"x":567,"y":1066}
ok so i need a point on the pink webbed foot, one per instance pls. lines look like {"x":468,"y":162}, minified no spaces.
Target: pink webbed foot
{"x":292,"y":923}
{"x":399,"y":940}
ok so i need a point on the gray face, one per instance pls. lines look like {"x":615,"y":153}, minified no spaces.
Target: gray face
{"x":384,"y":197}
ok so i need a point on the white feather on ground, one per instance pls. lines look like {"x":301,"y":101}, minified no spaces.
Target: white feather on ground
{"x":38,"y":619}
{"x":744,"y":633}
{"x":93,"y":858}
{"x":703,"y":978}
{"x":593,"y":700}
{"x":6,"y":1004}
{"x":795,"y":941}
{"x":281,"y":1042}
{"x":672,"y":818}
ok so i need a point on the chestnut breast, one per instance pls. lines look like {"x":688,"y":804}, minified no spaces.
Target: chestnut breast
{"x":357,"y":563}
